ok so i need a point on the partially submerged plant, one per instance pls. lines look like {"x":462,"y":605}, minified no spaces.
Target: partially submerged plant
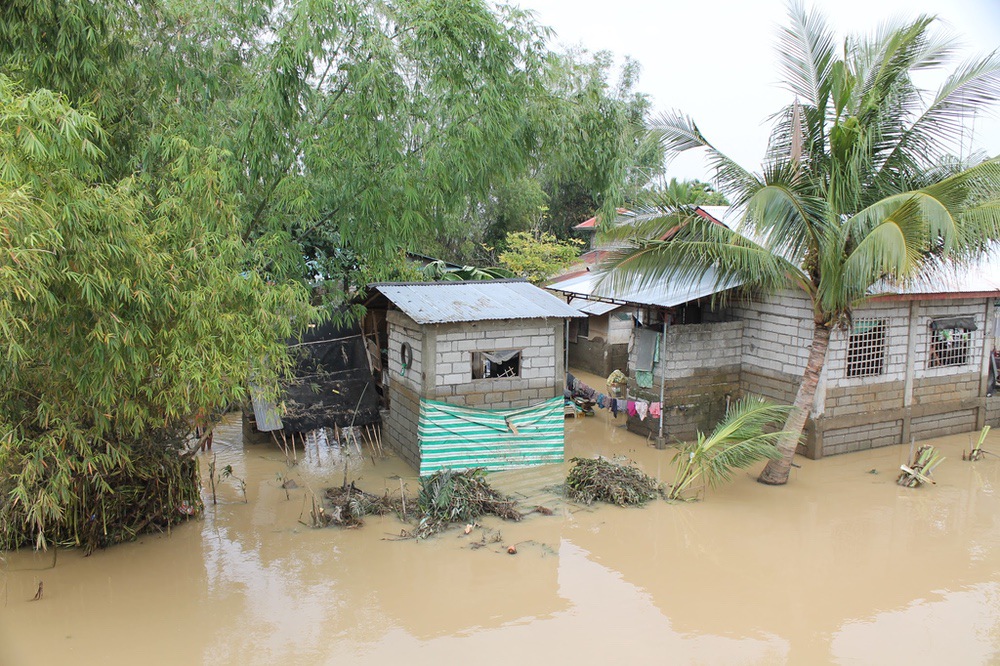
{"x":920,"y":468}
{"x":738,"y":441}
{"x":600,"y":479}
{"x":350,"y":505}
{"x":977,"y":451}
{"x":227,"y":472}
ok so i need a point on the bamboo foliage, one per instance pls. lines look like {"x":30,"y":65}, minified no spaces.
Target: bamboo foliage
{"x":123,"y":311}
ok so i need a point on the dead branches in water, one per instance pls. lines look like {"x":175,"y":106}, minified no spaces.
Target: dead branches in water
{"x":600,"y":479}
{"x":349,"y":505}
{"x":448,"y":497}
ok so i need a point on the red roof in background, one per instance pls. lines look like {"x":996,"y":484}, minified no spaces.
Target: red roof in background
{"x":708,"y":216}
{"x":592,"y":222}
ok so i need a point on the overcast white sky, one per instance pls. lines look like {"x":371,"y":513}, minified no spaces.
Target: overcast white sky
{"x":715,"y":59}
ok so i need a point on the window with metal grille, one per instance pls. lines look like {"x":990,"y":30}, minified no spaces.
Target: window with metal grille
{"x":866,"y":348}
{"x":949,"y":346}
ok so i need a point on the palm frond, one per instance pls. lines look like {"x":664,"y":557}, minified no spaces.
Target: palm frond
{"x":679,"y":133}
{"x":806,"y":51}
{"x":697,"y":248}
{"x":738,"y":441}
{"x":895,"y":50}
{"x":741,"y":455}
{"x":785,"y":215}
{"x":746,"y":419}
{"x":970,"y":89}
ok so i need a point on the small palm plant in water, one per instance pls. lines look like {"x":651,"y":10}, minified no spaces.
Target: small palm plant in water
{"x":741,"y":439}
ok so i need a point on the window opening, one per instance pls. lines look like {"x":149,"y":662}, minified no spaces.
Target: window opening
{"x":866,"y":348}
{"x":583,"y":327}
{"x":949,"y":344}
{"x":496,"y":364}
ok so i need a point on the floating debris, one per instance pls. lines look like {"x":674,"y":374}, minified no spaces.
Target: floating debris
{"x":349,"y":505}
{"x":600,"y":479}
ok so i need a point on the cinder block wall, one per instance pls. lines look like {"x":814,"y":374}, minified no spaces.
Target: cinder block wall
{"x":701,"y":365}
{"x":542,"y":371}
{"x":402,"y":329}
{"x":777,"y":334}
{"x":993,"y":411}
{"x":909,"y":399}
{"x":404,"y":386}
{"x":605,"y":348}
{"x":401,"y":423}
{"x":598,"y":356}
{"x":442,"y":370}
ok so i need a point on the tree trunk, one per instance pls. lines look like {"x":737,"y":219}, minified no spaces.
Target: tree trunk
{"x":776,"y":472}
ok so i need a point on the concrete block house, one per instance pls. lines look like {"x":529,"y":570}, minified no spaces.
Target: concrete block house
{"x":915,"y":363}
{"x":474,"y":374}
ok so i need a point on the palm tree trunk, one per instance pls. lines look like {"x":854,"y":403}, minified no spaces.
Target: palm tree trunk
{"x":776,"y":472}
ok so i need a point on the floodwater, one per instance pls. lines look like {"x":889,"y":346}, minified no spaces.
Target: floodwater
{"x":840,"y":566}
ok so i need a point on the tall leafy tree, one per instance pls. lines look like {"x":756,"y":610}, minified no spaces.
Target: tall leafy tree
{"x":590,"y":151}
{"x":691,"y":192}
{"x":120,"y":315}
{"x":170,"y":171}
{"x":857,"y":186}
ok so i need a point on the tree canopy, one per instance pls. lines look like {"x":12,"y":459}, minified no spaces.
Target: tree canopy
{"x":174,"y":174}
{"x":591,"y":152}
{"x":858,"y":185}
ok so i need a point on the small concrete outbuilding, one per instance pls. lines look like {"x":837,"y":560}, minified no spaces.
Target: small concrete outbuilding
{"x":475,"y":373}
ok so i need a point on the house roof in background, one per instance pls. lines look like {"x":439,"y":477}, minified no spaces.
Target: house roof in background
{"x":475,"y":300}
{"x":659,"y":293}
{"x":595,"y":308}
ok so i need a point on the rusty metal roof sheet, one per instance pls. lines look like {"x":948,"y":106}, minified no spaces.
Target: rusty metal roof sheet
{"x":478,"y":300}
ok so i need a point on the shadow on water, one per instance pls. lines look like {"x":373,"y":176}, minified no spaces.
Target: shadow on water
{"x":839,"y":566}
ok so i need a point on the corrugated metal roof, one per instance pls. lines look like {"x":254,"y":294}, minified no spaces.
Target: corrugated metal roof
{"x":482,"y":300}
{"x":946,"y":277}
{"x":595,"y":308}
{"x":662,"y":293}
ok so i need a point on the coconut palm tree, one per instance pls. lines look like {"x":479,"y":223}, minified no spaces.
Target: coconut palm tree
{"x":857,"y":187}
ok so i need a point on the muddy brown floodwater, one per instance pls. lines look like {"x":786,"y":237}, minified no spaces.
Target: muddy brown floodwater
{"x":839,"y":566}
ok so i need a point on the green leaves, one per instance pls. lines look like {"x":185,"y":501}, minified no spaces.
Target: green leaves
{"x":127,"y":305}
{"x":743,"y":438}
{"x":537,"y":257}
{"x":857,"y":192}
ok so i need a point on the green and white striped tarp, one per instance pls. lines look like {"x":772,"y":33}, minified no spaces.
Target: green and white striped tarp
{"x":464,"y":437}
